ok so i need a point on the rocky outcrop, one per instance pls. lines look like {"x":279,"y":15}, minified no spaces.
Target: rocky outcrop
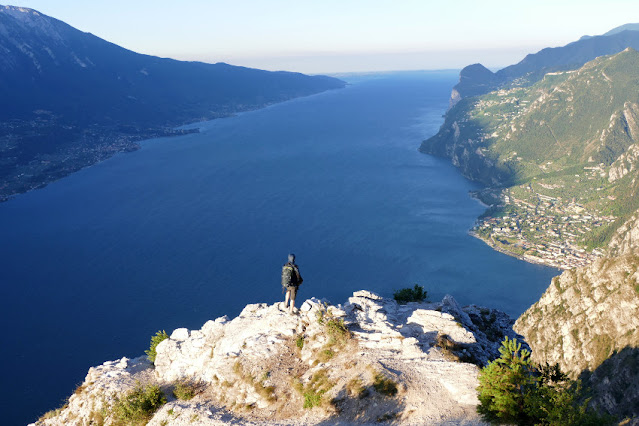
{"x":626,"y":238}
{"x":369,"y":360}
{"x":585,"y":315}
{"x":584,"y":320}
{"x":474,"y":80}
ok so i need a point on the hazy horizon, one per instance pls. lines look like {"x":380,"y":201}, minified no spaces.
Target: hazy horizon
{"x":339,"y":37}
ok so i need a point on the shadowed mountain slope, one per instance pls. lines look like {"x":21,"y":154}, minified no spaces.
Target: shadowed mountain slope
{"x":71,"y":99}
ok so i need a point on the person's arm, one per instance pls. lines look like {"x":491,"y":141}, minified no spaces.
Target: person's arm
{"x":299,"y":276}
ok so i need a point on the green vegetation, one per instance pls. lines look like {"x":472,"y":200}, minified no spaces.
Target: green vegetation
{"x":138,"y":406}
{"x":52,"y":413}
{"x":334,"y":327}
{"x":266,"y":392}
{"x":512,"y":390}
{"x":155,"y":341}
{"x":415,"y":294}
{"x":314,"y":391}
{"x":299,"y":341}
{"x":336,"y":331}
{"x":384,"y":385}
{"x":186,"y":389}
{"x":449,"y":348}
{"x":325,"y":355}
{"x":355,"y":387}
{"x":559,"y":155}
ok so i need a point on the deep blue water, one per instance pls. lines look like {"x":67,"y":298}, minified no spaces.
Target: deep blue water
{"x":191,"y":228}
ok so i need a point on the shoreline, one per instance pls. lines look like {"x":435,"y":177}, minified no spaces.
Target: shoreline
{"x":525,"y":258}
{"x":79,"y":157}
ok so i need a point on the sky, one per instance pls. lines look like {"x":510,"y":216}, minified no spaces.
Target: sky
{"x":331,"y":36}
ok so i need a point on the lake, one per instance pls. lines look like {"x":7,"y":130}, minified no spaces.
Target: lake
{"x":194,"y":227}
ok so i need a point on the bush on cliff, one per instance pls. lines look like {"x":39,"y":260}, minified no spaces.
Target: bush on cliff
{"x":512,"y":390}
{"x":138,"y":406}
{"x":155,"y":341}
{"x":415,"y":294}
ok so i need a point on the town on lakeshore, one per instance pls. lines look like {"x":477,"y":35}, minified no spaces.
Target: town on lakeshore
{"x":538,"y":228}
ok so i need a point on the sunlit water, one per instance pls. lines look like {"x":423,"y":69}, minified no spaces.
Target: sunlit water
{"x":191,"y":228}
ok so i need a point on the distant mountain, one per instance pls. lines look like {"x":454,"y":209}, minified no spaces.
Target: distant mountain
{"x":474,"y":80}
{"x":621,"y":28}
{"x":534,"y":66}
{"x":625,"y":27}
{"x":49,"y":65}
{"x":70,"y":99}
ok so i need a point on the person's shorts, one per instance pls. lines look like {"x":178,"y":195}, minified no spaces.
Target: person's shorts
{"x":293,"y":291}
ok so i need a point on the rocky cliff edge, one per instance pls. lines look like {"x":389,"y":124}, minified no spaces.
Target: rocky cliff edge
{"x":410,"y":364}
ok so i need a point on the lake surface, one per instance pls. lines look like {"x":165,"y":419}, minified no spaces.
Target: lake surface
{"x":195,"y":227}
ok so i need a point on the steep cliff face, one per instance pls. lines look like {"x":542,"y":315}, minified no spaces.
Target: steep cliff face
{"x":567,"y":121}
{"x":414,"y":363}
{"x":585,"y":315}
{"x":587,"y":321}
{"x":626,"y":238}
{"x":474,"y":80}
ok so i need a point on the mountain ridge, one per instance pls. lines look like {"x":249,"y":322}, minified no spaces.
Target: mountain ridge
{"x":560,"y":158}
{"x":551,"y":59}
{"x":69,"y":95}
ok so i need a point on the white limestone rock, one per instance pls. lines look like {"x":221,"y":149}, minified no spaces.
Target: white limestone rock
{"x":256,"y":361}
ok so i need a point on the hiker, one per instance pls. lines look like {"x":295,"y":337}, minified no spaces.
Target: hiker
{"x":291,"y":280}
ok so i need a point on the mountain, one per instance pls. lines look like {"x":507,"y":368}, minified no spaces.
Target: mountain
{"x":625,"y":27}
{"x":587,"y":321}
{"x":49,"y":65}
{"x":69,"y":94}
{"x":552,"y":59}
{"x":560,"y":155}
{"x":368,"y":361}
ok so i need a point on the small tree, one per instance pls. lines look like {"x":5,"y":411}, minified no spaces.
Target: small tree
{"x":513,"y":390}
{"x":504,"y":384}
{"x":155,"y":341}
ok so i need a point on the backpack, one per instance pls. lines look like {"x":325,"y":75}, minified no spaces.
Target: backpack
{"x":289,"y":277}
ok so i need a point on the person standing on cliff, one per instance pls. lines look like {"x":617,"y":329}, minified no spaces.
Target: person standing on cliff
{"x":291,"y":280}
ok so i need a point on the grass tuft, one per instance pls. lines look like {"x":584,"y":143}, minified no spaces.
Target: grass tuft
{"x":187,"y":389}
{"x":384,"y":385}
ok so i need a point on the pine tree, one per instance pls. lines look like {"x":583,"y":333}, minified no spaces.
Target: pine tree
{"x":513,"y":390}
{"x":504,"y":384}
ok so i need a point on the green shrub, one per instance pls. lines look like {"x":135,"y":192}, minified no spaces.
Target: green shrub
{"x":325,"y":355}
{"x":138,"y":406}
{"x":186,"y":389}
{"x":384,"y":385}
{"x":356,"y":388}
{"x":335,"y":327}
{"x":299,"y":341}
{"x":155,"y":341}
{"x":512,"y":390}
{"x":415,"y":294}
